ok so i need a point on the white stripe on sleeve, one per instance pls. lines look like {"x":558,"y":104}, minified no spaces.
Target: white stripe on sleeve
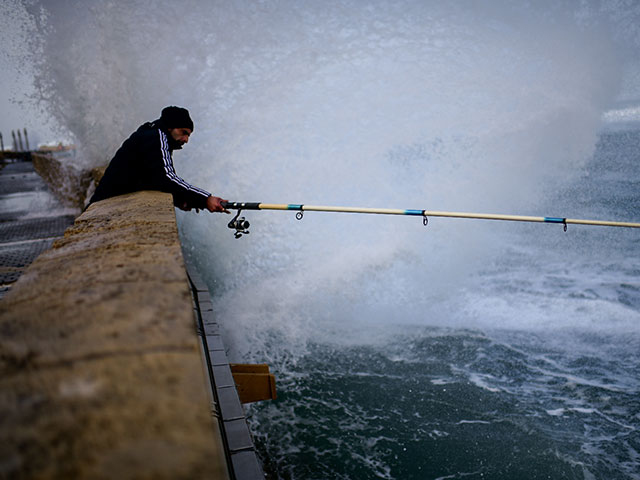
{"x":170,"y":171}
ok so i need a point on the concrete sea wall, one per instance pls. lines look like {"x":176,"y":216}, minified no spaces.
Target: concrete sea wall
{"x":101,"y":373}
{"x":71,"y":185}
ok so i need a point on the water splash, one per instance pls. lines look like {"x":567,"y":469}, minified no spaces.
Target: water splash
{"x":406,"y":104}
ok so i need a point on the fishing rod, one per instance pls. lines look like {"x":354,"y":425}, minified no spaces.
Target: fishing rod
{"x":241,"y":225}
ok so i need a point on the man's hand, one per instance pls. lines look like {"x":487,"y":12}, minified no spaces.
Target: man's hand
{"x":214,"y":205}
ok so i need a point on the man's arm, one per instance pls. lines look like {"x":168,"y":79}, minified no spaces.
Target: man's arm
{"x":185,"y":195}
{"x":214,"y":204}
{"x":183,"y":192}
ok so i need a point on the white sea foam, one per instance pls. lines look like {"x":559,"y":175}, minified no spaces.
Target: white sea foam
{"x":558,"y":412}
{"x":461,"y":475}
{"x":482,"y":381}
{"x":441,"y":381}
{"x":628,"y":114}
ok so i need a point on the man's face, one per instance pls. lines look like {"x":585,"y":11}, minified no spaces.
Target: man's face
{"x":180,"y":135}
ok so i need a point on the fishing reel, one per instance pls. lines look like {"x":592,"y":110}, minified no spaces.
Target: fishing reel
{"x":240,"y":225}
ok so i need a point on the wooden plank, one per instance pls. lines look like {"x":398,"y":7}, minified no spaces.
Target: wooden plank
{"x":249,"y":368}
{"x":253,"y":386}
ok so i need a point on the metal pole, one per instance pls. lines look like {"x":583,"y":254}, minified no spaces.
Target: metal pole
{"x":15,"y":144}
{"x":26,"y":139}
{"x":1,"y":143}
{"x":20,"y":141}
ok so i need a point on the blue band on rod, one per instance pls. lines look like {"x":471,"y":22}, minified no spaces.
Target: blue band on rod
{"x":554,"y":220}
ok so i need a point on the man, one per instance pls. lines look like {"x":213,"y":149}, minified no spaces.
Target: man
{"x":145,"y":162}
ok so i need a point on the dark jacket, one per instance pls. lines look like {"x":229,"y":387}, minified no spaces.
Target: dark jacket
{"x":144,"y":162}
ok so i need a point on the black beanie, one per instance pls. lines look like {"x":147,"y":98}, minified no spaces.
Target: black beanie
{"x":176,"y":117}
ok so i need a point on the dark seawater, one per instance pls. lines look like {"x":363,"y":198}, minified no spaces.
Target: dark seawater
{"x":543,"y":383}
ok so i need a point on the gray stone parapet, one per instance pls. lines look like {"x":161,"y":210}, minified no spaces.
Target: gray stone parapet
{"x":101,"y":373}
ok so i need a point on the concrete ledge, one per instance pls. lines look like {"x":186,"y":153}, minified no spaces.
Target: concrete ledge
{"x":68,"y":183}
{"x":101,"y":374}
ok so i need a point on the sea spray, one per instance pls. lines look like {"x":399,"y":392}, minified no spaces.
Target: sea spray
{"x":383,"y":332}
{"x":430,"y":106}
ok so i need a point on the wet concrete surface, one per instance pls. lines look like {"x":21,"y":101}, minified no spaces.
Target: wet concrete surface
{"x":101,"y":374}
{"x":31,"y":218}
{"x":101,"y":368}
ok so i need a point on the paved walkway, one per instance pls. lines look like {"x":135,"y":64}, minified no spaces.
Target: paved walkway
{"x":31,"y":218}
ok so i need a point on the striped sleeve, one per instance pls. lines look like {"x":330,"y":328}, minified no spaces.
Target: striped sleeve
{"x":170,"y":172}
